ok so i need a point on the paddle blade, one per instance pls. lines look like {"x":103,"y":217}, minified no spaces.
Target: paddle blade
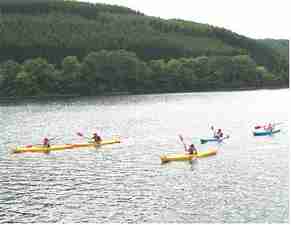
{"x":202,"y":141}
{"x":181,"y":137}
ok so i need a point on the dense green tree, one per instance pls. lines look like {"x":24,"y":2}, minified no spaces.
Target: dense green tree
{"x":40,"y":74}
{"x":69,"y":79}
{"x":8,"y":73}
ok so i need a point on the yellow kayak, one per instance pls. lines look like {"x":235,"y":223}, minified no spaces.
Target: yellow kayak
{"x":41,"y":149}
{"x":104,"y":142}
{"x":183,"y":157}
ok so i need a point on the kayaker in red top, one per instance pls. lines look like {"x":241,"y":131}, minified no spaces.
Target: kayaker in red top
{"x":96,"y":138}
{"x":192,"y":150}
{"x":46,"y":142}
{"x":270,"y":127}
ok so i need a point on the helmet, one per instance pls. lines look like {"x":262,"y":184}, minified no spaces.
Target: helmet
{"x":191,"y":145}
{"x":45,"y":139}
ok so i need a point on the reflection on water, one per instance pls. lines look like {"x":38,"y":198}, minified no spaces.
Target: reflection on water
{"x":247,"y":181}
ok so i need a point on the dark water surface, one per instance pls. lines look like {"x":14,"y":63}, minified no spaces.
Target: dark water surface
{"x":247,"y":181}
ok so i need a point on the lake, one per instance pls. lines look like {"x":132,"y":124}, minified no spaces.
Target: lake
{"x":247,"y":181}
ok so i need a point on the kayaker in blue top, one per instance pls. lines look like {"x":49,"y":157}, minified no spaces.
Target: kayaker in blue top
{"x":96,"y":138}
{"x":192,"y":150}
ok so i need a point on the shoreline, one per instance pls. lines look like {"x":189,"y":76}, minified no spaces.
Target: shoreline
{"x":137,"y":92}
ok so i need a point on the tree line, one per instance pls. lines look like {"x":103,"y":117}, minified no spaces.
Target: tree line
{"x":123,"y":71}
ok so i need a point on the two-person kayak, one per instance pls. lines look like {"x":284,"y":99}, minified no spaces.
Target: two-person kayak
{"x":185,"y":156}
{"x":42,"y":149}
{"x":267,"y":129}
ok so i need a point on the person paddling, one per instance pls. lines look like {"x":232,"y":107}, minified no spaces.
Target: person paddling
{"x":192,"y":150}
{"x":96,"y":138}
{"x":269,"y":127}
{"x":219,"y":134}
{"x":46,"y":142}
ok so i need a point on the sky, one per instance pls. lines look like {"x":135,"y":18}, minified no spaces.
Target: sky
{"x":251,"y":18}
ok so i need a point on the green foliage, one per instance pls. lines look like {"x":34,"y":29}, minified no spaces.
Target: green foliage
{"x":120,"y":70}
{"x":113,"y":71}
{"x":76,"y":47}
{"x":280,"y":45}
{"x":33,"y":77}
{"x":8,"y":72}
{"x":263,"y":74}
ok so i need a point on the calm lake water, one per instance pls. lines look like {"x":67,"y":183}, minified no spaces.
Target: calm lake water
{"x":247,"y":181}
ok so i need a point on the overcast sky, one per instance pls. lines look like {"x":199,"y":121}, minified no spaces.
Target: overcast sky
{"x":252,"y":18}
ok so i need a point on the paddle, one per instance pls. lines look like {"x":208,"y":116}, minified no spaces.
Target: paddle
{"x":212,"y":128}
{"x":82,"y":135}
{"x":89,"y":139}
{"x":31,"y":145}
{"x":226,"y":137}
{"x":275,"y":124}
{"x":262,"y":126}
{"x":258,"y":127}
{"x":182,"y":140}
{"x":203,"y":141}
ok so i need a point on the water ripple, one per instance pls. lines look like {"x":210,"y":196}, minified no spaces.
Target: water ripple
{"x":247,"y":181}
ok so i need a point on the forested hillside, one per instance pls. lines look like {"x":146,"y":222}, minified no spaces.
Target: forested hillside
{"x":280,"y":45}
{"x":80,"y":48}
